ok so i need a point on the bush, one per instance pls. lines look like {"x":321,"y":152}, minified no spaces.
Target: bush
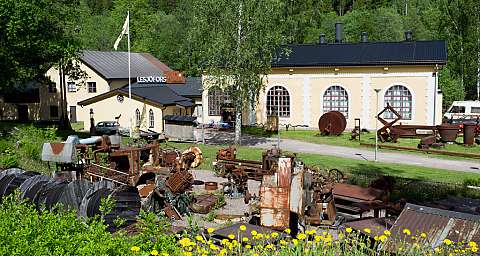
{"x":472,"y":182}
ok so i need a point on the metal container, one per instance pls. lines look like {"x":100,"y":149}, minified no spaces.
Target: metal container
{"x":211,"y":185}
{"x":469,"y":134}
{"x":275,"y":218}
{"x":274,"y":198}
{"x":448,"y":133}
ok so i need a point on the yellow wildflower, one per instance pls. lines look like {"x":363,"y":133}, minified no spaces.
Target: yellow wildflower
{"x":248,"y":246}
{"x":274,"y":234}
{"x":154,"y":253}
{"x":295,"y":242}
{"x":254,"y":233}
{"x":383,"y":238}
{"x":243,"y":228}
{"x":328,"y":239}
{"x":447,"y":241}
{"x":245,"y":239}
{"x":184,"y":242}
{"x":214,"y":247}
{"x":283,"y":242}
{"x":438,"y":250}
{"x":187,"y":253}
{"x":367,"y":230}
{"x":259,"y":236}
{"x":199,"y":238}
{"x":301,"y":236}
{"x":407,"y":232}
{"x":231,"y":236}
{"x":376,"y":238}
{"x":224,"y":241}
{"x":423,"y":235}
{"x":267,"y":236}
{"x":210,"y":230}
{"x":269,"y":247}
{"x":387,"y":232}
{"x":318,"y":238}
{"x":472,"y":244}
{"x":256,"y":254}
{"x":311,"y":232}
{"x":222,"y":252}
{"x":474,"y":249}
{"x":135,"y":249}
{"x":349,"y":230}
{"x":288,"y":231}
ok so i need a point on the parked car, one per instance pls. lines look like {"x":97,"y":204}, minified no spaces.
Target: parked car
{"x":108,"y":128}
{"x":463,"y":112}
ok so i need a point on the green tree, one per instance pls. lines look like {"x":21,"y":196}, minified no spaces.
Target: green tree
{"x":235,"y":41}
{"x":34,"y":35}
{"x":451,"y":87}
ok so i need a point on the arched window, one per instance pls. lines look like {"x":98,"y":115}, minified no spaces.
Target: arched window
{"x":400,"y":98}
{"x":216,"y":98}
{"x":151,"y":119}
{"x":278,"y":99}
{"x":336,"y":99}
{"x":137,"y":117}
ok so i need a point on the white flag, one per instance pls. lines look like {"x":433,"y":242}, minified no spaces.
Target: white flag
{"x":125,"y":30}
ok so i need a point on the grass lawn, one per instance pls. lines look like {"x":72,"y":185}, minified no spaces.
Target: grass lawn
{"x":348,"y":166}
{"x":313,"y":136}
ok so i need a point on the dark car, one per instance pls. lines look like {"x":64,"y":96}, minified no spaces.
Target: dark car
{"x":107,"y":128}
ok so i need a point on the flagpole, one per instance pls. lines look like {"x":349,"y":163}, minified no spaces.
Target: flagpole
{"x":129,"y":78}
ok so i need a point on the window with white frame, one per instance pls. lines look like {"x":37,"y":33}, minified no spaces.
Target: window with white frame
{"x":137,"y":117}
{"x":278,"y":100}
{"x":400,"y":98}
{"x":216,"y":98}
{"x":92,"y":87}
{"x":71,"y":87}
{"x":335,"y":98}
{"x":151,"y":119}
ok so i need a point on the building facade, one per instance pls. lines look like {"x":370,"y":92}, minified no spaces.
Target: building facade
{"x":317,"y":78}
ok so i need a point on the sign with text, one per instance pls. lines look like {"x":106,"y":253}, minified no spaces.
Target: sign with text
{"x":169,"y":77}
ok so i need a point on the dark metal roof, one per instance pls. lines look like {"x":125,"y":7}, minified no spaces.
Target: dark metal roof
{"x":176,"y":118}
{"x":365,"y":54}
{"x":158,"y":93}
{"x":438,"y":224}
{"x":114,"y":65}
{"x":192,"y":87}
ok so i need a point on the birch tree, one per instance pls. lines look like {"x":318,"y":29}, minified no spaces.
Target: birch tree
{"x":234,"y":41}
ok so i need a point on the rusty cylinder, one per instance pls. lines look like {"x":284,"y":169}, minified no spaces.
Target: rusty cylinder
{"x":468,"y":134}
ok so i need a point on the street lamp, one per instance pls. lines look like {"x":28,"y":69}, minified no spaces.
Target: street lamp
{"x":376,"y":126}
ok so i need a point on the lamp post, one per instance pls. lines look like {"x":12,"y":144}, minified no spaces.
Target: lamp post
{"x":376,"y":125}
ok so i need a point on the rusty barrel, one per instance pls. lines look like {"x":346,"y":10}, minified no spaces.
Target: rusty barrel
{"x":469,"y":134}
{"x":332,"y":123}
{"x":448,"y":132}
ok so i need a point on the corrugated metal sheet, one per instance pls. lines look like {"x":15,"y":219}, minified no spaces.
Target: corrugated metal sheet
{"x":438,"y":224}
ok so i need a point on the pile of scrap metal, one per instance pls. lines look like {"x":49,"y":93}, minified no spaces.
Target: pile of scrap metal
{"x":291,"y":194}
{"x":158,"y":175}
{"x":82,"y":196}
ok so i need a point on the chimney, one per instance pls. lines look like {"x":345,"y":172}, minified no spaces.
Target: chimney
{"x":364,"y":37}
{"x":338,"y":32}
{"x":321,"y":39}
{"x":408,"y":35}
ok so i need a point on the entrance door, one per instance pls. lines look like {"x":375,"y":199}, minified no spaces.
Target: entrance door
{"x":22,"y":112}
{"x":73,"y":114}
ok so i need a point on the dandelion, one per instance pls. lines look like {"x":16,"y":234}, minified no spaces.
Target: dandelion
{"x":474,"y":249}
{"x":301,"y":236}
{"x":438,"y":250}
{"x":256,"y":254}
{"x":376,"y":238}
{"x":222,"y":252}
{"x":318,"y":238}
{"x":288,"y":231}
{"x":387,"y":232}
{"x":472,"y":244}
{"x":199,"y":238}
{"x":447,"y":241}
{"x":269,"y":247}
{"x":254,"y":233}
{"x":295,"y":242}
{"x":259,"y":236}
{"x":243,"y":228}
{"x":231,"y":236}
{"x":210,"y":230}
{"x":349,"y":230}
{"x":311,"y":232}
{"x":214,"y":247}
{"x":274,"y":234}
{"x":367,"y":230}
{"x":224,"y":241}
{"x":245,"y":239}
{"x":187,"y":253}
{"x":407,"y":232}
{"x":135,"y":249}
{"x":248,"y":246}
{"x":154,"y":253}
{"x":423,"y":235}
{"x":383,"y":238}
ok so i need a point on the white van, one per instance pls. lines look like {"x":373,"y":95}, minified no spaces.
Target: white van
{"x":463,"y":110}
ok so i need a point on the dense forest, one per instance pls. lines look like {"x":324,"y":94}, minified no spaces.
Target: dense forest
{"x":164,"y":28}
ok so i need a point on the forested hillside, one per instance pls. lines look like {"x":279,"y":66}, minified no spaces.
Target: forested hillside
{"x":164,"y":28}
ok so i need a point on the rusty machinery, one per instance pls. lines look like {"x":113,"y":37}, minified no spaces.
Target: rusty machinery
{"x":332,"y":123}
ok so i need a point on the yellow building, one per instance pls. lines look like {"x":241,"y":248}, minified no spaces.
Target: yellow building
{"x":317,"y":78}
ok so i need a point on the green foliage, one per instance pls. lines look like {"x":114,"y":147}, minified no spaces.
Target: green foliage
{"x":472,"y":182}
{"x":451,"y":87}
{"x":8,"y":159}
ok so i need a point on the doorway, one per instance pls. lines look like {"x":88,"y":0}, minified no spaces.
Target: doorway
{"x":22,"y":112}
{"x":73,"y":114}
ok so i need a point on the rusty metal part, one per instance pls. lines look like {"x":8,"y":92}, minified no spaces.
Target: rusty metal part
{"x":211,"y":185}
{"x":427,"y":142}
{"x":332,"y":123}
{"x":469,"y":134}
{"x":205,"y":203}
{"x":179,"y":181}
{"x":145,"y":190}
{"x":448,"y":132}
{"x":171,"y":212}
{"x":197,"y":153}
{"x":226,"y":153}
{"x":235,"y":229}
{"x":433,"y":151}
{"x":387,"y":132}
